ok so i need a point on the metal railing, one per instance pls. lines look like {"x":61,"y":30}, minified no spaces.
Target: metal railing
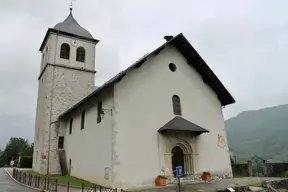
{"x":39,"y":182}
{"x":50,"y":184}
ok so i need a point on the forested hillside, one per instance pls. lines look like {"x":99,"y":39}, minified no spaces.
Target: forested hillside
{"x":263,"y":132}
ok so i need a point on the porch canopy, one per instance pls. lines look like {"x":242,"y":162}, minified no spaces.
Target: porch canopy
{"x":180,"y":124}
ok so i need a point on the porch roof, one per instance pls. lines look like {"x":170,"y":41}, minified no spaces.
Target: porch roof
{"x":181,"y":124}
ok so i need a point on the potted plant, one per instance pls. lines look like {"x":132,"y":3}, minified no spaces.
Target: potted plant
{"x":206,"y":176}
{"x":161,"y":180}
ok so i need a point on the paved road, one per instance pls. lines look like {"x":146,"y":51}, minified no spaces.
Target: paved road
{"x":8,"y":185}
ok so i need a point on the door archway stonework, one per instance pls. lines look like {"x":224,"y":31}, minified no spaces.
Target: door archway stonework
{"x":190,"y":157}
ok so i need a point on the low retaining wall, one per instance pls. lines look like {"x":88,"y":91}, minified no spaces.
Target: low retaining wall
{"x":280,"y":184}
{"x":277,"y":184}
{"x":268,"y":169}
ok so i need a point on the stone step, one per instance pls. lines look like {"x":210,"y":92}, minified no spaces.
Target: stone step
{"x":186,"y":180}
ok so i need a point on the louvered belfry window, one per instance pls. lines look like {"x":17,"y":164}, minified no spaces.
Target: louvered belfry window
{"x":65,"y":51}
{"x":80,"y":56}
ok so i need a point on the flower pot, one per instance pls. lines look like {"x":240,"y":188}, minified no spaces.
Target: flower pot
{"x":206,"y":177}
{"x":160,"y":182}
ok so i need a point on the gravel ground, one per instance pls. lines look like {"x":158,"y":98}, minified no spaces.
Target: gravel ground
{"x":214,"y":185}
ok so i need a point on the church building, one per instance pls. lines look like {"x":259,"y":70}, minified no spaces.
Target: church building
{"x":163,"y":111}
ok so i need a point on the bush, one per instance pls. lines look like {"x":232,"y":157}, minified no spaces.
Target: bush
{"x":285,"y":174}
{"x":26,"y":162}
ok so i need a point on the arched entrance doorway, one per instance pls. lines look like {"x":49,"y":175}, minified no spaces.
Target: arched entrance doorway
{"x":177,"y":158}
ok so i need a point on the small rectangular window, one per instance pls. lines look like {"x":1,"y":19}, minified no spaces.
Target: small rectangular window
{"x":82,"y":120}
{"x":60,"y":142}
{"x":70,"y":126}
{"x":99,"y":110}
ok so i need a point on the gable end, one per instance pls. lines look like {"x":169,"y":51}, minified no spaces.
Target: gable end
{"x":196,"y":61}
{"x":193,"y":59}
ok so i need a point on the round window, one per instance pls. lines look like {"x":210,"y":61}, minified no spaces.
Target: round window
{"x":172,"y":67}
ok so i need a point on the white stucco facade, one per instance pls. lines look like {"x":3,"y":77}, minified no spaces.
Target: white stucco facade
{"x":90,"y":149}
{"x":143,"y":104}
{"x":127,"y":142}
{"x":126,"y":149}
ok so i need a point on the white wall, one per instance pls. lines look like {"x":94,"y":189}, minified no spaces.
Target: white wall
{"x":90,"y":149}
{"x":143,"y":104}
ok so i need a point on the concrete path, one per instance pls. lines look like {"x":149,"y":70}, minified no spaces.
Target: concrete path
{"x":8,"y":185}
{"x":210,"y":187}
{"x":10,"y":171}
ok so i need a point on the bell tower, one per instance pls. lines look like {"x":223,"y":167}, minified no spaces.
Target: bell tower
{"x":67,"y":75}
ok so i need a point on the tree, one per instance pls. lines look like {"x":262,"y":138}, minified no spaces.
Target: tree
{"x":14,"y":148}
{"x":3,"y":159}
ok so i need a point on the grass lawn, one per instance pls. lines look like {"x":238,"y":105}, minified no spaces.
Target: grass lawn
{"x":62,"y":179}
{"x":259,"y":184}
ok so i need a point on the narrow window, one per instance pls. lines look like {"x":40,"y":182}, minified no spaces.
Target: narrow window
{"x":99,"y":110}
{"x":176,"y":105}
{"x":65,"y":51}
{"x":38,"y":134}
{"x":82,"y":119}
{"x":44,"y":58}
{"x":70,"y":126}
{"x":43,"y":61}
{"x":70,"y":166}
{"x":80,"y":56}
{"x":60,"y":142}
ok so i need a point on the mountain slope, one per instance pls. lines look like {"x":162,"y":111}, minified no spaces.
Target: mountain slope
{"x":263,"y":132}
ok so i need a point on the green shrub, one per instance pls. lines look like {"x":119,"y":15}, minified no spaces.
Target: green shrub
{"x":285,"y":174}
{"x":26,"y":162}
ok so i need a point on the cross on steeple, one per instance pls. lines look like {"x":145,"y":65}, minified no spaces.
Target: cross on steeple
{"x":71,"y":5}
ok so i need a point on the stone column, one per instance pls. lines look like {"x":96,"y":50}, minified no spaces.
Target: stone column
{"x":191,"y":164}
{"x":186,"y":164}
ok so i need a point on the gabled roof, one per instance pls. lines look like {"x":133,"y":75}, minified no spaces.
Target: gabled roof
{"x":181,"y":124}
{"x":193,"y":59}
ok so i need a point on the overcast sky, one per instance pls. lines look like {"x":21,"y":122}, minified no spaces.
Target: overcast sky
{"x":244,"y":42}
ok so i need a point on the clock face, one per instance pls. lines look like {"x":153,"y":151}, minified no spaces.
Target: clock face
{"x":74,"y":42}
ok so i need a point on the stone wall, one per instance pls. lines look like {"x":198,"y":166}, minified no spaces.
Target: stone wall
{"x":240,"y":169}
{"x":276,"y":169}
{"x":269,"y":169}
{"x":280,"y":184}
{"x":276,"y":184}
